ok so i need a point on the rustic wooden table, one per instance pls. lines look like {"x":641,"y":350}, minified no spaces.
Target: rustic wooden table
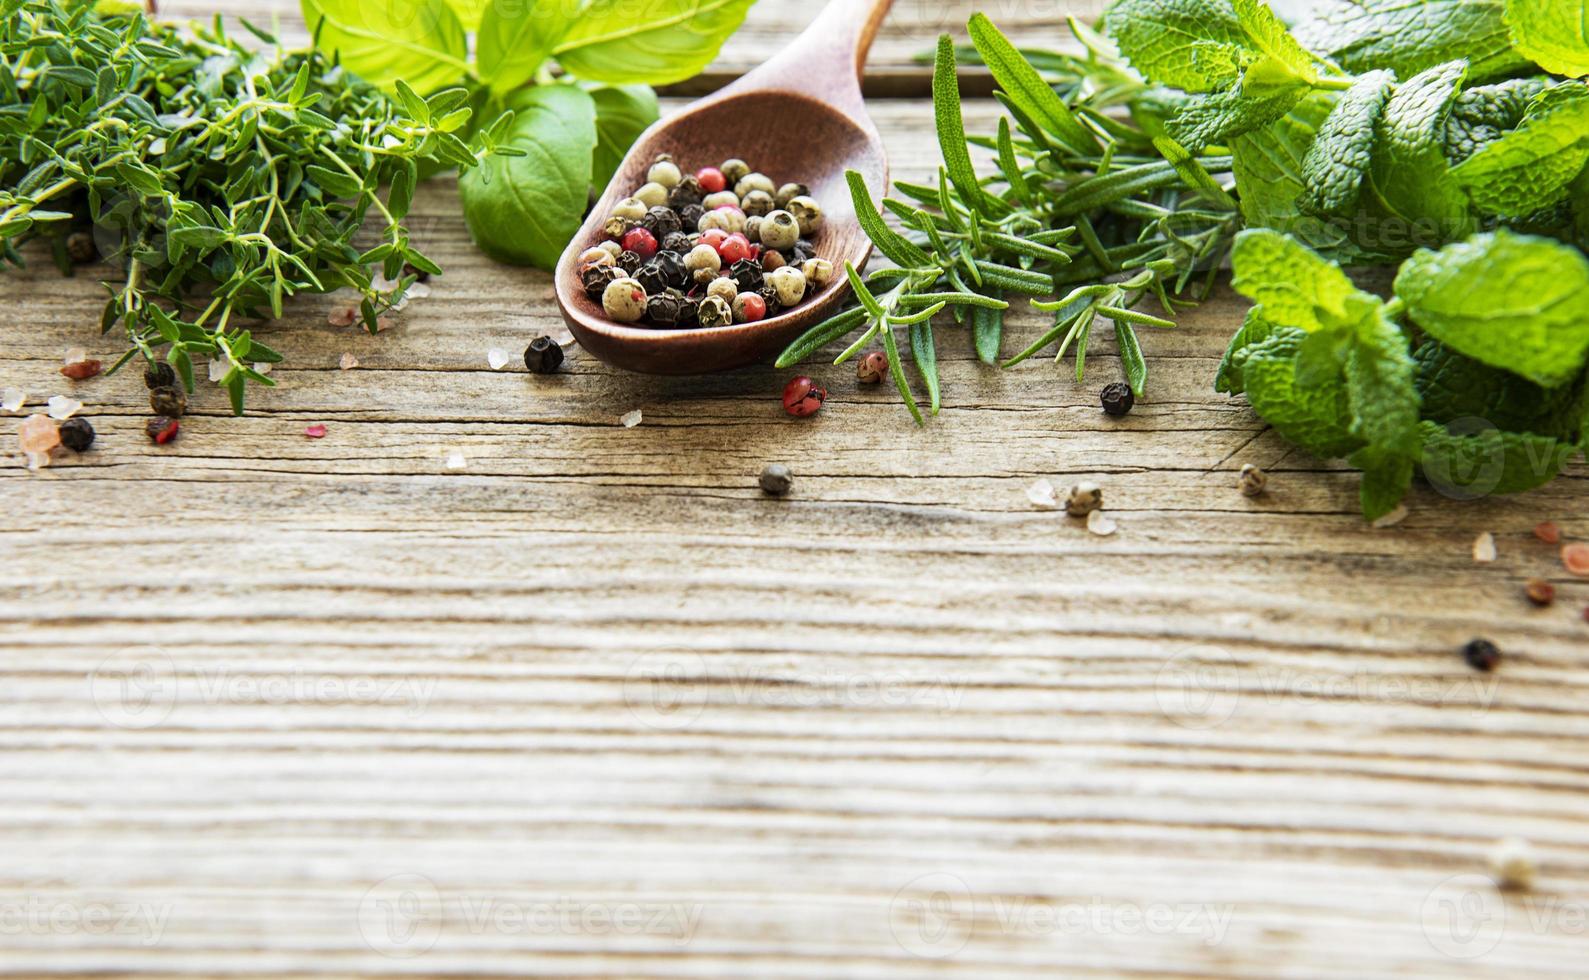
{"x":595,"y":706}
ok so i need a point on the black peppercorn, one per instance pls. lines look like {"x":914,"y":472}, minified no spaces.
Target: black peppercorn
{"x":77,"y":434}
{"x":802,"y":250}
{"x":769,"y":295}
{"x":168,"y":400}
{"x":667,"y":309}
{"x":159,"y":375}
{"x":420,"y":275}
{"x":630,"y":261}
{"x":746,"y":274}
{"x":1481,"y":654}
{"x":776,"y":480}
{"x":691,"y":215}
{"x":652,"y":277}
{"x":687,"y":191}
{"x":161,"y":429}
{"x":80,"y":247}
{"x":596,"y":279}
{"x":661,"y":222}
{"x":676,"y":241}
{"x":1117,"y":398}
{"x":543,"y":356}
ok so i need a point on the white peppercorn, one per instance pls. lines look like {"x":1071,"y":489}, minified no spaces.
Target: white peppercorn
{"x":616,"y":227}
{"x":754,"y":182}
{"x":595,"y":255}
{"x":631,"y":208}
{"x":664,"y":172}
{"x":1084,"y":499}
{"x":753,"y":228}
{"x":652,"y":195}
{"x":790,"y":284}
{"x":713,"y":219}
{"x":714,"y":311}
{"x":819,"y":272}
{"x":734,"y":170}
{"x":809,"y":213}
{"x":703,"y":263}
{"x":723,"y":288}
{"x":735,"y":219}
{"x":624,"y":300}
{"x":789,"y":192}
{"x":756,"y":202}
{"x":613,"y":248}
{"x":1253,"y":481}
{"x":720,"y":199}
{"x":779,"y":230}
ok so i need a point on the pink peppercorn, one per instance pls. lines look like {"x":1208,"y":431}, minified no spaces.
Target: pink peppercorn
{"x":734,"y":248}
{"x":1547,"y":531}
{"x":712,"y":179}
{"x":640,"y":242}
{"x":82,"y":370}
{"x":803,"y":397}
{"x":315,"y":432}
{"x":1575,"y":557}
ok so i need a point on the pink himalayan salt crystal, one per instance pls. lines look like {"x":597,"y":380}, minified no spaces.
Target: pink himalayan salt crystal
{"x":315,"y":432}
{"x":1548,"y":531}
{"x":37,"y":435}
{"x":348,"y":362}
{"x":343,"y":316}
{"x":1575,"y":557}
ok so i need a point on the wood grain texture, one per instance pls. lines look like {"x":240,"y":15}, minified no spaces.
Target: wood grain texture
{"x":593,"y":706}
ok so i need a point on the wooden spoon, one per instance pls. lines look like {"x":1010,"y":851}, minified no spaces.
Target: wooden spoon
{"x":799,"y":117}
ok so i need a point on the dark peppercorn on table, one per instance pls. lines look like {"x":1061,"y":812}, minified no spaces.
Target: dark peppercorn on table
{"x":593,"y":704}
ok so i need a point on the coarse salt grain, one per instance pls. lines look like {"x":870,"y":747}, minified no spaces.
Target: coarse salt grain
{"x":263,"y":367}
{"x":418,"y":290}
{"x":74,"y":354}
{"x":1512,"y":864}
{"x":1393,"y":518}
{"x":631,"y":419}
{"x":1101,"y":524}
{"x":348,"y":362}
{"x":13,"y":399}
{"x":218,"y":370}
{"x":315,"y":432}
{"x":1041,"y":494}
{"x":497,"y":358}
{"x":36,"y":436}
{"x":1575,"y":557}
{"x":455,"y":460}
{"x":1484,"y":547}
{"x":62,"y":407}
{"x":343,"y":316}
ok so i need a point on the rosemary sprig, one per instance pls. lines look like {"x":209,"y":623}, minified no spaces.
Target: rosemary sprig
{"x":1087,"y":200}
{"x":222,"y":179}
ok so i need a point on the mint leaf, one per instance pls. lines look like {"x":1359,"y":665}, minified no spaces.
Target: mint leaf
{"x":1554,"y":33}
{"x":622,"y":113}
{"x":1255,"y":329}
{"x":1516,"y":302}
{"x":1203,"y":119}
{"x":1466,"y":463}
{"x":523,"y":210}
{"x":427,"y":48}
{"x":654,"y":43}
{"x":470,"y":12}
{"x":1480,"y":115}
{"x":1284,"y":57}
{"x":1268,"y":169}
{"x":1293,"y":286}
{"x":1410,"y":176}
{"x":1333,"y":170}
{"x":1530,"y":168}
{"x":1194,"y":45}
{"x":516,"y":38}
{"x":1379,"y":384}
{"x":1317,"y":417}
{"x":1410,"y":36}
{"x":1386,"y":479}
{"x":1456,"y":388}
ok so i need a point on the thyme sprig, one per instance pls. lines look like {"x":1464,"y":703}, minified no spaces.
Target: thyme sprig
{"x":1086,"y":203}
{"x":220,"y":178}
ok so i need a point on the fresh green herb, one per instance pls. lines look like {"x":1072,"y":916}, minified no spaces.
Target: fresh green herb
{"x":221,"y":178}
{"x":573,"y":130}
{"x":1083,"y":205}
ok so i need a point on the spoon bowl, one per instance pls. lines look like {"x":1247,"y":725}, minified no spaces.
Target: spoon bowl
{"x":800,"y":117}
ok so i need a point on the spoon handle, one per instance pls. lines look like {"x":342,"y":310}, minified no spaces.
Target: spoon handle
{"x":828,"y":58}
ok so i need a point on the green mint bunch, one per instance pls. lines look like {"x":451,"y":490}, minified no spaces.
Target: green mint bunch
{"x":221,"y":177}
{"x":1084,"y":203}
{"x":572,"y":128}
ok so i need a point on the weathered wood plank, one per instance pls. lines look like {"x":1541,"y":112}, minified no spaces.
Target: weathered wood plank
{"x":901,"y":724}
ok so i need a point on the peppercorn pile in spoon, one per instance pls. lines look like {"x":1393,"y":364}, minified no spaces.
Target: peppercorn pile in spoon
{"x":685,"y":251}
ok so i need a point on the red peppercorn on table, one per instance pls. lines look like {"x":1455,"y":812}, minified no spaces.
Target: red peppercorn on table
{"x":483,"y":680}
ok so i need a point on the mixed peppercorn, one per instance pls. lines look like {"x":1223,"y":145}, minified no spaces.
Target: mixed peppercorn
{"x":720,"y":246}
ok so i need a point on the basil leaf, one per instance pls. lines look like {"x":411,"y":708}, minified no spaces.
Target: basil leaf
{"x":523,"y":210}
{"x":655,"y":43}
{"x":419,"y":41}
{"x":1554,"y":33}
{"x":623,"y":112}
{"x":516,"y":38}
